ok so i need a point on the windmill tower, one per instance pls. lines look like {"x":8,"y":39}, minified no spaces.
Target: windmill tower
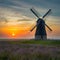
{"x":40,"y":24}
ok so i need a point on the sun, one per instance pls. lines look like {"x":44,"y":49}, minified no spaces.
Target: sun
{"x":13,"y":34}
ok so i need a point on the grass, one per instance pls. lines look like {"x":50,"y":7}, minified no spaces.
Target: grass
{"x":42,"y":42}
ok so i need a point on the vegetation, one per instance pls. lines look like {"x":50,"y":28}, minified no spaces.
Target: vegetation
{"x":27,"y":56}
{"x":30,"y":50}
{"x":43,"y":42}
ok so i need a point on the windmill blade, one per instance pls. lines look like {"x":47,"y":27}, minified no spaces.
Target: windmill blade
{"x":46,"y":13}
{"x":34,"y":12}
{"x":48,"y":27}
{"x":33,"y":28}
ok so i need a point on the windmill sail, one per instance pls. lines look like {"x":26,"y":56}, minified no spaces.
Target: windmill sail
{"x":48,"y":27}
{"x":46,"y":13}
{"x":34,"y":12}
{"x":33,"y":28}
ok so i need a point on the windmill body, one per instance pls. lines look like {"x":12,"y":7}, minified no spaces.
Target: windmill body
{"x":40,"y":30}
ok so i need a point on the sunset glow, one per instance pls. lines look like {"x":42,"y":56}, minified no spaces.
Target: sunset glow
{"x":16,"y":19}
{"x":16,"y":31}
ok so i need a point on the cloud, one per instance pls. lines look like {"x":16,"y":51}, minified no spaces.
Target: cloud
{"x":23,"y":6}
{"x":3,"y":19}
{"x":53,"y":20}
{"x":16,"y":8}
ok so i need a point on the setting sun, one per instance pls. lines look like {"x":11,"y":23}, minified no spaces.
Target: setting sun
{"x":13,"y":34}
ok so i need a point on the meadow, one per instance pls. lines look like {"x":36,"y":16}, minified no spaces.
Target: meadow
{"x":29,"y":49}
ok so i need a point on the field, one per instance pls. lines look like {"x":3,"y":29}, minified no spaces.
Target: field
{"x":29,"y":49}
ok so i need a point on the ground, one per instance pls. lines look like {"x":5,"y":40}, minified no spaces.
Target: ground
{"x":29,"y":49}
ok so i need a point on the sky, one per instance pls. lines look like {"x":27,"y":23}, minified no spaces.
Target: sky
{"x":16,"y":19}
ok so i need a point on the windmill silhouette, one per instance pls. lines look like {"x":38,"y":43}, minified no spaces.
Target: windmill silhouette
{"x":40,"y":24}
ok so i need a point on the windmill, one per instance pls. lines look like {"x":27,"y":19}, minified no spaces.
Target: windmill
{"x":40,"y":24}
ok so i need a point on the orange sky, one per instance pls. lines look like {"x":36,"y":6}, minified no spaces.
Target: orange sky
{"x":16,"y":31}
{"x":23,"y":30}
